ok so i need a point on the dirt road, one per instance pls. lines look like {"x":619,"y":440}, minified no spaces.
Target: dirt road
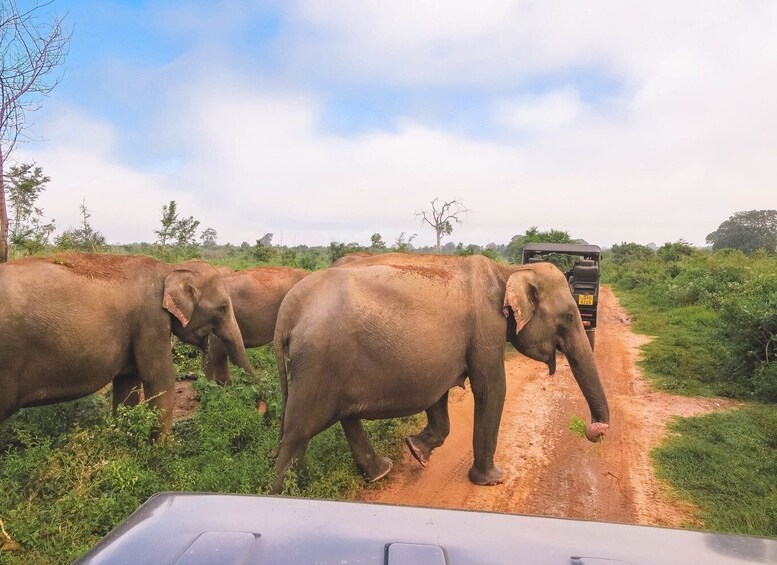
{"x":550,"y":471}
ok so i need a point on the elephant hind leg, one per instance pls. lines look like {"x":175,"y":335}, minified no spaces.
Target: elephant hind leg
{"x":291,"y":453}
{"x":438,"y":426}
{"x":373,"y":466}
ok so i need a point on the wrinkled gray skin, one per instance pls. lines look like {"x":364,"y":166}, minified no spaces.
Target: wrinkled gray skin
{"x":73,"y":323}
{"x":256,"y":296}
{"x":389,"y":336}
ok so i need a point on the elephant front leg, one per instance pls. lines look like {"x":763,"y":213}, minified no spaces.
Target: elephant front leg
{"x":438,"y":426}
{"x":216,"y":365}
{"x":489,"y":392}
{"x":373,"y":466}
{"x":154,"y":362}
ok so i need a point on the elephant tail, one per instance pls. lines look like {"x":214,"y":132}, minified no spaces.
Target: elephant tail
{"x":281,"y":346}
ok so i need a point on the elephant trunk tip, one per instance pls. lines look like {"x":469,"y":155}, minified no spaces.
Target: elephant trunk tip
{"x":595,"y":431}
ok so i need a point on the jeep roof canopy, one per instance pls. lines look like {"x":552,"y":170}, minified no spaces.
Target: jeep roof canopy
{"x":593,"y":252}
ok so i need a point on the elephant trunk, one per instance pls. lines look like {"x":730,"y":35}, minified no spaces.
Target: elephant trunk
{"x":229,"y":333}
{"x":581,"y":360}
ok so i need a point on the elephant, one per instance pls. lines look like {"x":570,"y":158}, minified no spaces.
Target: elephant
{"x":256,"y":295}
{"x":72,"y":323}
{"x":390,"y":335}
{"x":352,"y":258}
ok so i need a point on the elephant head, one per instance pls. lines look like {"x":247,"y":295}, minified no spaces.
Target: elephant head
{"x":542,"y":317}
{"x":195,"y":295}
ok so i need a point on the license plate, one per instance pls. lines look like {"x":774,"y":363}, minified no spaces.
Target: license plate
{"x":585,"y":299}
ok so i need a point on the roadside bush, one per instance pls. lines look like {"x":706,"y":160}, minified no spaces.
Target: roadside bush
{"x":750,"y":333}
{"x":715,"y":315}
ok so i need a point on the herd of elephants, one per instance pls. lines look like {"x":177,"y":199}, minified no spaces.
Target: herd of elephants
{"x":374,"y":336}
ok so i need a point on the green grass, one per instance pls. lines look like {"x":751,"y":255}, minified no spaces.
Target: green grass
{"x":70,"y":472}
{"x":683,"y":357}
{"x":726,"y":464}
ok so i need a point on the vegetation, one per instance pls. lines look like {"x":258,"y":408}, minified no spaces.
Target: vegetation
{"x":28,"y":231}
{"x":714,"y":315}
{"x":726,"y":464}
{"x":71,"y":471}
{"x":440,"y":215}
{"x":30,"y":50}
{"x":176,"y":236}
{"x":83,"y":238}
{"x":747,"y":232}
{"x":714,"y":318}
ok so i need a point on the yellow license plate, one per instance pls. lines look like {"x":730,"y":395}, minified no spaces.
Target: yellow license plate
{"x":585,"y":299}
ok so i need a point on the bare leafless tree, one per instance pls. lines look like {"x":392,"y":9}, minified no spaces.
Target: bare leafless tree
{"x":441,"y":215}
{"x":30,"y":49}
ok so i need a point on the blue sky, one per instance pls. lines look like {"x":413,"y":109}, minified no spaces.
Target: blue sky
{"x":329,"y":121}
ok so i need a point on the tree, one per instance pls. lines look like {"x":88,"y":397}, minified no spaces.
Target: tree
{"x":169,"y":220}
{"x":514,"y":249}
{"x":626,"y":252}
{"x":83,"y":238}
{"x":27,"y":229}
{"x":403,"y":242}
{"x":337,"y":249}
{"x":180,"y":232}
{"x":209,"y":237}
{"x":674,"y":251}
{"x":376,"y":242}
{"x":29,"y":50}
{"x":747,"y":231}
{"x":263,"y":251}
{"x":441,"y":215}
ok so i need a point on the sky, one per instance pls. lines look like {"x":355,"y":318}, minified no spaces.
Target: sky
{"x":330,"y":121}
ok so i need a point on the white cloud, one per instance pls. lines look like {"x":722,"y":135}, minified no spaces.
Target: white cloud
{"x":553,"y":110}
{"x":689,"y":139}
{"x":83,"y":162}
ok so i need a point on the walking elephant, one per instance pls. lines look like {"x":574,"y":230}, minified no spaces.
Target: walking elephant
{"x":389,"y":336}
{"x":256,"y":296}
{"x":72,"y":323}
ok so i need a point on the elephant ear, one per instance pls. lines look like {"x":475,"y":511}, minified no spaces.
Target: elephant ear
{"x":521,"y":297}
{"x":180,"y":296}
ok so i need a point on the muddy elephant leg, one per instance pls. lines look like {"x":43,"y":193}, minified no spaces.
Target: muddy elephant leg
{"x":488,"y":387}
{"x":373,"y":466}
{"x":126,"y":391}
{"x":216,"y":365}
{"x":438,"y":426}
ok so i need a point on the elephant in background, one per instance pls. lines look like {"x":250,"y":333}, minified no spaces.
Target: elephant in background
{"x":256,"y":296}
{"x":351,"y":258}
{"x":72,"y":323}
{"x":390,"y":335}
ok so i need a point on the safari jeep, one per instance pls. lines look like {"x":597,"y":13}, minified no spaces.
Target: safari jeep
{"x":581,"y":266}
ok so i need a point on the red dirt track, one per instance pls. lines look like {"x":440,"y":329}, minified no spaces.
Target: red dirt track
{"x":550,"y":471}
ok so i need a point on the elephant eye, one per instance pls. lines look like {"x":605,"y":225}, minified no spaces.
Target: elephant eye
{"x":222,"y":309}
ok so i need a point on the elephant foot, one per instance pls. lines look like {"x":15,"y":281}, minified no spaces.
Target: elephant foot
{"x":419,"y":449}
{"x":493,"y":476}
{"x":380,"y":469}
